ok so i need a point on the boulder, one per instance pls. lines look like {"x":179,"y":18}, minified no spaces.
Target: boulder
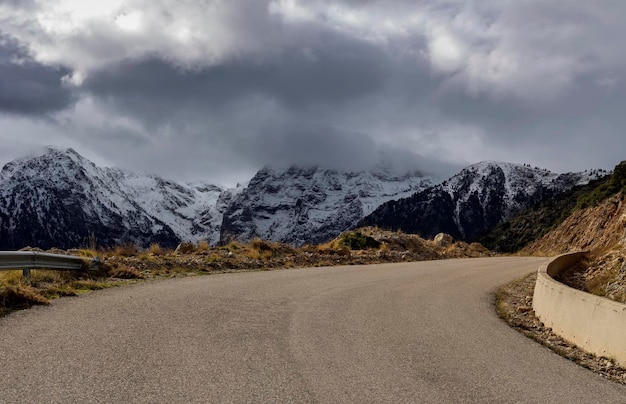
{"x":443,"y":240}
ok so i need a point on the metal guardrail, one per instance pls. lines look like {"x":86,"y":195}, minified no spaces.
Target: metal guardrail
{"x":27,"y":260}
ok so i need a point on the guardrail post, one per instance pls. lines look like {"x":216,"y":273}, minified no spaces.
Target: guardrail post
{"x":26,"y":273}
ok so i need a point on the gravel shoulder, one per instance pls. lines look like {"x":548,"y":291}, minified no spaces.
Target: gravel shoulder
{"x":514,"y":305}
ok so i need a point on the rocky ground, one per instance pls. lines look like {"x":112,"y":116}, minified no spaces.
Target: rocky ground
{"x":603,"y":276}
{"x":514,"y":305}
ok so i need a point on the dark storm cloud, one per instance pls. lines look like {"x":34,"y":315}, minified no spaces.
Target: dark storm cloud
{"x":27,"y":87}
{"x":23,"y":4}
{"x":277,"y":110}
{"x":340,"y":71}
{"x":226,"y":87}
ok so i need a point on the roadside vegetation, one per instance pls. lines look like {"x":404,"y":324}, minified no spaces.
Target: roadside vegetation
{"x":128,"y":263}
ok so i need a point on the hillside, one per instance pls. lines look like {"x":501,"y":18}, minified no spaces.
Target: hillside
{"x":598,"y":225}
{"x":534,"y":223}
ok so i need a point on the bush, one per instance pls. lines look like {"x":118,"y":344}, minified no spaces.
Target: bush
{"x":126,"y":250}
{"x":155,"y":249}
{"x":260,"y":249}
{"x":358,"y":241}
{"x":203,"y":245}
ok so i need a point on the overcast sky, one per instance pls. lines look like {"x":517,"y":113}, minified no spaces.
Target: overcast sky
{"x":215,"y":89}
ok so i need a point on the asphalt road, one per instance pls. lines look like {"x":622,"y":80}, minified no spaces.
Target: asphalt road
{"x":415,"y":333}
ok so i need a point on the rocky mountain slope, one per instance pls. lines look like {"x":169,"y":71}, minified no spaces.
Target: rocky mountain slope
{"x":57,"y":198}
{"x":601,"y":231}
{"x":478,"y":198}
{"x":312,"y":205}
{"x":533,"y":223}
{"x":596,"y":224}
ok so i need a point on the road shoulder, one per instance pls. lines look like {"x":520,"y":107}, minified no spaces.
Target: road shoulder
{"x":513,"y":303}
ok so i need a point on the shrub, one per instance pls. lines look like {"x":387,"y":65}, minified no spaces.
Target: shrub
{"x":203,"y":245}
{"x":358,"y":241}
{"x":155,"y":249}
{"x":126,"y":250}
{"x":260,"y":249}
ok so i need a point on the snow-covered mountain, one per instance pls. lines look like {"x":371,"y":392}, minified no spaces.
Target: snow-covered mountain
{"x":57,"y":198}
{"x":312,"y":205}
{"x":478,"y":198}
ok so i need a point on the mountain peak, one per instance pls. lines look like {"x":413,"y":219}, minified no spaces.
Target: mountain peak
{"x":476,"y":199}
{"x":54,"y":197}
{"x":308,"y":204}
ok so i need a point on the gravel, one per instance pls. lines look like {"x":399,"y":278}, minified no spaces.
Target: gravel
{"x":514,"y":304}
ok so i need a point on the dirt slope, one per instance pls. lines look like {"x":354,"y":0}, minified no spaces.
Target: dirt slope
{"x":601,"y":231}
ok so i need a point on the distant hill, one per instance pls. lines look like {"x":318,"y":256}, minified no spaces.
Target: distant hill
{"x":58,"y":198}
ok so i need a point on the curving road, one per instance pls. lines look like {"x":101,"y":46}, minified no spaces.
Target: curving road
{"x":400,"y":333}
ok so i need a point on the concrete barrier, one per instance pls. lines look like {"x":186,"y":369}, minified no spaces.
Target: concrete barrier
{"x":596,"y":324}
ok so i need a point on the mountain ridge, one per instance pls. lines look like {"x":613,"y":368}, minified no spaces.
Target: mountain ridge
{"x":58,"y":198}
{"x":310,"y":204}
{"x":476,"y":199}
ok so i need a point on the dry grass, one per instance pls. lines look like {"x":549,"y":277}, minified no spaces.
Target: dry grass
{"x":185,"y":248}
{"x":17,"y":293}
{"x":156,"y":249}
{"x":89,"y":253}
{"x":203,"y":246}
{"x":121,"y":271}
{"x":126,"y":250}
{"x":260,"y":250}
{"x":10,"y":277}
{"x":20,"y":297}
